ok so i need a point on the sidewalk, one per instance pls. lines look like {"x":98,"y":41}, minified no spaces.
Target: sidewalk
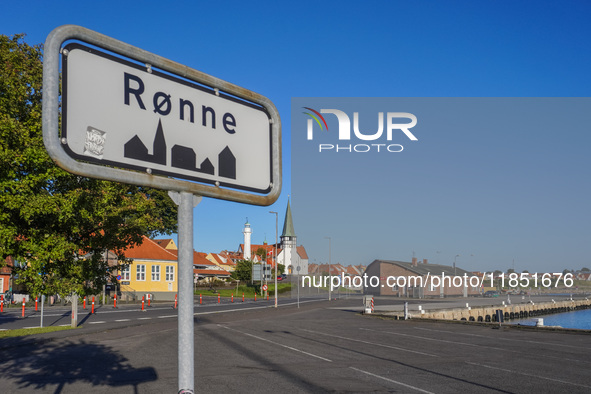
{"x":394,"y":304}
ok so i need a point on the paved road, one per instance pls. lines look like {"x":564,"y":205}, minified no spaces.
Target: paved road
{"x":322,"y":346}
{"x":126,"y":314}
{"x":11,"y":318}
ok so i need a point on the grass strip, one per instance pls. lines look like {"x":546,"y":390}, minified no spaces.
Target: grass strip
{"x":21,"y":332}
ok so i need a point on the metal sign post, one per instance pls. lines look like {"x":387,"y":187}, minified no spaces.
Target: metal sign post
{"x":42,"y":303}
{"x":131,"y":116}
{"x":186,"y":355}
{"x":74,"y":310}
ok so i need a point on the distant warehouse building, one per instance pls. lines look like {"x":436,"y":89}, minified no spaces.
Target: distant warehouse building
{"x":418,"y":280}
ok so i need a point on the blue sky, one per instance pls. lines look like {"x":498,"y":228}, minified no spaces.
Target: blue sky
{"x":360,"y":49}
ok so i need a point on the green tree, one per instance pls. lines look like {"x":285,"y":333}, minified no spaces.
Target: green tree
{"x":243,"y":271}
{"x":262,"y":253}
{"x":59,"y":224}
{"x":280,"y":269}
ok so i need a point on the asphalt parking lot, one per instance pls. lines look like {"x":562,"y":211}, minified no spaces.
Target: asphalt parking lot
{"x":321,"y":347}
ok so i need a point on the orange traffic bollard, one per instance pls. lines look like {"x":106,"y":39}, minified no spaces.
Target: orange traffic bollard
{"x":115,"y":301}
{"x":36,"y":300}
{"x":149,"y":299}
{"x":143,"y":303}
{"x":255,"y":296}
{"x":175,"y":301}
{"x":23,"y":306}
{"x":92,"y":308}
{"x":200,"y":299}
{"x":219,"y":299}
{"x":232,"y":297}
{"x":1,"y":303}
{"x":84,"y":303}
{"x":242,"y":297}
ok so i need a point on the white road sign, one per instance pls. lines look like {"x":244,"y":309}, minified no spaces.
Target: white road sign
{"x":132,"y":116}
{"x":123,"y":114}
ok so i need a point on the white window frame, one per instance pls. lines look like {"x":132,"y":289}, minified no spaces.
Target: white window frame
{"x":155,"y":273}
{"x":126,"y":273}
{"x":140,"y":272}
{"x":170,"y":273}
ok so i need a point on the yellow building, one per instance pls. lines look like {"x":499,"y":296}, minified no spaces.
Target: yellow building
{"x":154,"y":270}
{"x":222,"y":261}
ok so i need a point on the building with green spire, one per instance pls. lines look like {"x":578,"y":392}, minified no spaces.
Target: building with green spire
{"x":292,"y":256}
{"x":289,"y":253}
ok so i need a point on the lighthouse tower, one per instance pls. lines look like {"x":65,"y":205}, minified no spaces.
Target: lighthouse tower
{"x":247,"y":232}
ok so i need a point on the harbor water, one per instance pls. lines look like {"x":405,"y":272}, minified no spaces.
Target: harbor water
{"x":576,"y":319}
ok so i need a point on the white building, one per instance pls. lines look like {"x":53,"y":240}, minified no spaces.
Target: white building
{"x":291,"y":255}
{"x":288,"y":253}
{"x":247,"y":232}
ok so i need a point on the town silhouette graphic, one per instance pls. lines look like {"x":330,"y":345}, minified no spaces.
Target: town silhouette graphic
{"x":180,"y":156}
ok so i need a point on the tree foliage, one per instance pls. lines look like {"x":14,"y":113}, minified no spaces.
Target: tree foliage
{"x":58,"y":223}
{"x":243,"y":271}
{"x":262,"y":253}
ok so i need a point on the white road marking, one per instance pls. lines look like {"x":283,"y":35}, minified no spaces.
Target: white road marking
{"x":166,"y":317}
{"x":436,"y":340}
{"x":96,"y":322}
{"x":133,"y":310}
{"x":144,"y":318}
{"x":123,"y":320}
{"x":276,"y":343}
{"x":392,"y":381}
{"x":503,"y":339}
{"x":529,"y":374}
{"x":484,"y":346}
{"x":255,"y":307}
{"x":371,"y":343}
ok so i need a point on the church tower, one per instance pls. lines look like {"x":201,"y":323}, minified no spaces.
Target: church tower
{"x":288,"y":242}
{"x":247,"y":231}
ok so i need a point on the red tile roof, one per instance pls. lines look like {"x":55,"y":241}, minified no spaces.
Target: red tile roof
{"x":224,"y":260}
{"x":352,"y":270}
{"x":253,"y":248}
{"x":302,"y":252}
{"x":211,"y":272}
{"x":150,"y":250}
{"x":199,"y":259}
{"x":313,"y":268}
{"x":163,"y":242}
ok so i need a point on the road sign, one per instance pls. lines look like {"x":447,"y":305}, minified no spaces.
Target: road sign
{"x":265,"y":287}
{"x":118,"y":277}
{"x":132,"y":116}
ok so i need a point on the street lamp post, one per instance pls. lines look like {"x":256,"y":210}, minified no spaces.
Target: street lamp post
{"x":276,"y":232}
{"x":457,"y":255}
{"x":329,"y":269}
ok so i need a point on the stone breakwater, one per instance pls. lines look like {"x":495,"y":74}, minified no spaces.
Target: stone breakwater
{"x":488,"y":313}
